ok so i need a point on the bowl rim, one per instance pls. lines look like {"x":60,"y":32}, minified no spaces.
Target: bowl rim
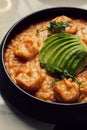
{"x":3,"y":43}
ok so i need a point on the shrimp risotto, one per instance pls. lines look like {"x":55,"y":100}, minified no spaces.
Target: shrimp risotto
{"x":49,"y":59}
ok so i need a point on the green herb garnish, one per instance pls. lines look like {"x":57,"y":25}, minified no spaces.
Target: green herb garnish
{"x":38,"y":30}
{"x":52,"y":84}
{"x":79,"y":83}
{"x":57,"y":26}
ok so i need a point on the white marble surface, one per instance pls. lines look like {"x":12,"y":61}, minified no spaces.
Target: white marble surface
{"x":10,"y":12}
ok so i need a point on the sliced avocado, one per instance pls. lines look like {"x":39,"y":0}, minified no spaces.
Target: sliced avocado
{"x":54,"y":48}
{"x":81,"y":62}
{"x":63,"y":52}
{"x":57,"y":52}
{"x":67,"y":60}
{"x":76,"y":62}
{"x":65,"y":57}
{"x":54,"y":40}
{"x":48,"y":49}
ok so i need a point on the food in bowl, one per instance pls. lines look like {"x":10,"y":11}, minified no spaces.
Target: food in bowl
{"x":49,"y":58}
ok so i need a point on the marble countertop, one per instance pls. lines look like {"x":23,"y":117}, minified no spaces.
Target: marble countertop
{"x":10,"y":12}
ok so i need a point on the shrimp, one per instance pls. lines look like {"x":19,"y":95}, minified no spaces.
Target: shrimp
{"x":62,"y":19}
{"x":83,"y":93}
{"x":27,"y":49}
{"x":66,"y":91}
{"x":46,"y":91}
{"x":82,"y":98}
{"x":82,"y":77}
{"x":82,"y":30}
{"x":83,"y":35}
{"x":30,"y":80}
{"x":72,"y":28}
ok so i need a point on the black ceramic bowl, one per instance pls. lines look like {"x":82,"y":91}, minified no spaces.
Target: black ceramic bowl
{"x":42,"y":110}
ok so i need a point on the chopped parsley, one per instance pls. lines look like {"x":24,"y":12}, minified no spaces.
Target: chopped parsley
{"x":79,"y":83}
{"x":52,"y":84}
{"x":57,"y":26}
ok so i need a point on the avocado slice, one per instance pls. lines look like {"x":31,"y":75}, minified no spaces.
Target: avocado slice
{"x":61,"y":52}
{"x":52,"y":39}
